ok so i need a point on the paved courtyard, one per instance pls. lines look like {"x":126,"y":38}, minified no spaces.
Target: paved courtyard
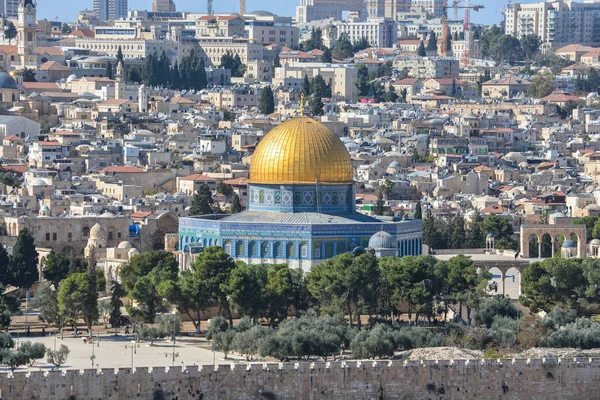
{"x":118,"y":352}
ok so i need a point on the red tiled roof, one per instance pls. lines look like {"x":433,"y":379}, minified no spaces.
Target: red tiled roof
{"x":140,"y":214}
{"x":236,"y":182}
{"x":122,"y":169}
{"x":49,"y":143}
{"x":19,"y":168}
{"x":41,"y":85}
{"x":198,"y":177}
{"x":13,"y":138}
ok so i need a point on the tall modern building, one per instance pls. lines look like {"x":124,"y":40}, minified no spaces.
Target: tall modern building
{"x":163,"y":6}
{"x":10,"y":8}
{"x":110,"y":9}
{"x":314,"y":10}
{"x":391,"y":8}
{"x":557,"y":23}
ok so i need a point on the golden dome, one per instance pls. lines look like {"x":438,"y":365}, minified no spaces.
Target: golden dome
{"x":301,"y":151}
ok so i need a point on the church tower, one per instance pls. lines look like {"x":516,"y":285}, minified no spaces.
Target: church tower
{"x":119,"y":81}
{"x":143,"y":99}
{"x":26,"y":27}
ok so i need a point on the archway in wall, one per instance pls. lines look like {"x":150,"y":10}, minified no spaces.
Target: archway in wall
{"x":495,"y":283}
{"x":534,"y":246}
{"x":546,"y":246}
{"x":575,"y":240}
{"x":512,"y":283}
{"x":69,"y":250}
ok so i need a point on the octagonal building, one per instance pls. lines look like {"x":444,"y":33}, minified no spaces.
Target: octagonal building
{"x":301,"y":206}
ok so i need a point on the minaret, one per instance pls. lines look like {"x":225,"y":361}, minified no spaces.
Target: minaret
{"x":119,"y":82}
{"x":26,"y":27}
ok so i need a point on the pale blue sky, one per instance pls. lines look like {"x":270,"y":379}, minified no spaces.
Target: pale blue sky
{"x":67,"y":10}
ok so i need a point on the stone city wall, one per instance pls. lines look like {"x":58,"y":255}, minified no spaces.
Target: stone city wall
{"x":488,"y":379}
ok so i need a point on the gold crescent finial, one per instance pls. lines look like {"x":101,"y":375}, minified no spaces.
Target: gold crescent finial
{"x":302,"y":104}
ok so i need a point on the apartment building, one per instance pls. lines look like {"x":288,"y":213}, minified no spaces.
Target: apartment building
{"x":557,"y":23}
{"x":315,"y":10}
{"x":110,"y":9}
{"x":342,"y":76}
{"x":380,"y":32}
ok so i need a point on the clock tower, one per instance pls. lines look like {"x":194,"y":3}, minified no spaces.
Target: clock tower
{"x":26,"y":27}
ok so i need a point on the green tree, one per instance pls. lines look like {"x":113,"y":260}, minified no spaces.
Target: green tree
{"x":391,"y":96}
{"x":120,"y":56}
{"x":108,"y":72}
{"x":267,"y":101}
{"x":458,"y":235}
{"x":346,"y":282}
{"x":502,"y":229}
{"x":202,"y":201}
{"x":214,"y":267}
{"x":144,"y":275}
{"x":421,"y":52}
{"x":343,"y":49}
{"x":315,"y":41}
{"x":56,"y":268}
{"x":362,"y":81}
{"x":431,"y":42}
{"x":117,"y":292}
{"x":306,"y":86}
{"x":285,"y":288}
{"x":319,"y":88}
{"x":28,"y":75}
{"x":542,"y":84}
{"x":24,"y":262}
{"x":379,"y":208}
{"x":74,"y":297}
{"x":276,"y":61}
{"x":403,"y":95}
{"x":530,"y":44}
{"x":590,"y":223}
{"x":32,"y":352}
{"x":418,"y":211}
{"x":58,"y":357}
{"x":10,"y":31}
{"x":236,"y":206}
{"x":316,"y":106}
{"x":476,"y":234}
{"x":247,"y":289}
{"x":46,"y":302}
{"x":326,"y":57}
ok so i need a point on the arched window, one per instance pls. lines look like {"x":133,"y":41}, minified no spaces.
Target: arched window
{"x":239,"y":251}
{"x":228,"y":247}
{"x":277,"y":251}
{"x":290,"y":250}
{"x":251,"y":249}
{"x":304,"y":250}
{"x":265,"y":250}
{"x":85,"y":231}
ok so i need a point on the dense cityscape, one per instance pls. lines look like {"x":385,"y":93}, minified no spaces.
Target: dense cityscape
{"x":366,"y":199}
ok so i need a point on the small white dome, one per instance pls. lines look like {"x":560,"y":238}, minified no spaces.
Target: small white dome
{"x":125,"y":245}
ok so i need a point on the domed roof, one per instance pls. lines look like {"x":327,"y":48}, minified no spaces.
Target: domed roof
{"x":97,"y":232}
{"x":394,"y":164}
{"x":592,"y":207}
{"x":382,"y":240}
{"x":38,"y":182}
{"x":7,"y":81}
{"x":125,"y":245}
{"x":595,"y":242}
{"x":303,"y":151}
{"x":45,"y":208}
{"x":133,"y":251}
{"x":490,"y":236}
{"x":568,"y":244}
{"x":71,"y":78}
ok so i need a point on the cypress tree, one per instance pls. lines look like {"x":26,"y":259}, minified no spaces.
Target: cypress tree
{"x":108,"y":72}
{"x":421,"y":50}
{"x":267,"y":101}
{"x":23,"y":266}
{"x":306,"y":86}
{"x":202,"y":201}
{"x":418,"y":211}
{"x":236,"y":206}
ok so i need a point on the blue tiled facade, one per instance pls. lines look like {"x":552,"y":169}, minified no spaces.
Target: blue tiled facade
{"x":284,"y":223}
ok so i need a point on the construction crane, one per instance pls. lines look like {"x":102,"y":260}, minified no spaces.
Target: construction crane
{"x":209,"y":7}
{"x":466,"y":27}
